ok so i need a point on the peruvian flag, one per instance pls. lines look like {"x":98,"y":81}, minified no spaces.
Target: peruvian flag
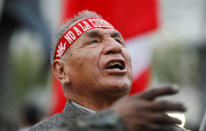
{"x":133,"y":18}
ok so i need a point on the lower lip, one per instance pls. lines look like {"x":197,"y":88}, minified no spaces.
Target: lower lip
{"x":116,"y":71}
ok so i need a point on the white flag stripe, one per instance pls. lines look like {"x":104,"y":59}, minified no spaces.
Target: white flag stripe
{"x":140,"y":53}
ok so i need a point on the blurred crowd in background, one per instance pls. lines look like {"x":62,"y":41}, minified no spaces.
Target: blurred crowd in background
{"x":26,"y":29}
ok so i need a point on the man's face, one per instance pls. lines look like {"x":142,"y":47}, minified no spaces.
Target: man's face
{"x":98,"y":63}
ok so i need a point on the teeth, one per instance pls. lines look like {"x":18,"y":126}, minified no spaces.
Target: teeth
{"x":115,"y":63}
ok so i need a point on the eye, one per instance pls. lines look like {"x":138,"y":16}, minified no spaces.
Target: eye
{"x":118,"y":40}
{"x":93,"y":41}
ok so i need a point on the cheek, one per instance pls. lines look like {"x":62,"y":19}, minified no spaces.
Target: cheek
{"x":127,"y":57}
{"x":85,"y":61}
{"x":129,"y":63}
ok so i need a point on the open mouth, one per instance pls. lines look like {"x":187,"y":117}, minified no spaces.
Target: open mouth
{"x":116,"y":64}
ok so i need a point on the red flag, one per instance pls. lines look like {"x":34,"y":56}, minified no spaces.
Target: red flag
{"x":132,"y":18}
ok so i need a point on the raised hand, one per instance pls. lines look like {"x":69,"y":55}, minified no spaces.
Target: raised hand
{"x":142,"y":112}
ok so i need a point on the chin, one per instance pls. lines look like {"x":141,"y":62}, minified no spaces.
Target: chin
{"x":118,"y":89}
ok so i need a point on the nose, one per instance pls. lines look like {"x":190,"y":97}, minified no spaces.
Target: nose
{"x":112,"y":47}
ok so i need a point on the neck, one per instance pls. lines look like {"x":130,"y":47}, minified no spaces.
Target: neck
{"x":96,"y":101}
{"x":92,"y":103}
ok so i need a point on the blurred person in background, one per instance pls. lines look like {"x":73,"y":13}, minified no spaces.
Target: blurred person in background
{"x":30,"y":115}
{"x":15,"y":14}
{"x":90,"y":60}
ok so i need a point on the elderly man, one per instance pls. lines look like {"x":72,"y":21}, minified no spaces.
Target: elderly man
{"x":89,"y":58}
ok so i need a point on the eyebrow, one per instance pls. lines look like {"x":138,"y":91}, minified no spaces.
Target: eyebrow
{"x":93,"y":34}
{"x":97,"y":33}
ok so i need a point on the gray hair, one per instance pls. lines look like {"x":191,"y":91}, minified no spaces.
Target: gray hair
{"x":81,"y":15}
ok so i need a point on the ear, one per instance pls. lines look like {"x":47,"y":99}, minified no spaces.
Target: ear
{"x":60,"y":71}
